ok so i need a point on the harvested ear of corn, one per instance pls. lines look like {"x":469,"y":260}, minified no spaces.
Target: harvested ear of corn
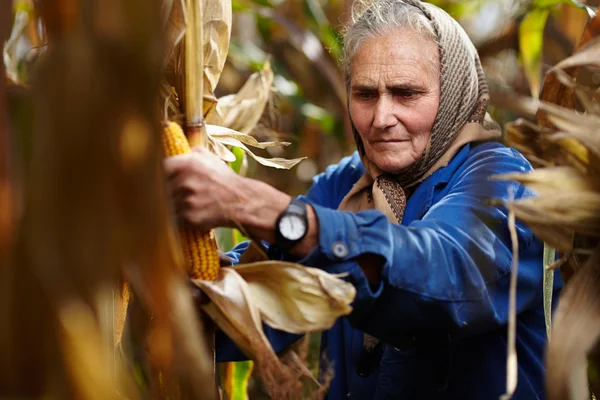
{"x":199,"y":248}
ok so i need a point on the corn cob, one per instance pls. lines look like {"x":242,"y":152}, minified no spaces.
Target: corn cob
{"x":199,"y":249}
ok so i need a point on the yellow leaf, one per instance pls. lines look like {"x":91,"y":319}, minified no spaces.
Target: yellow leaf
{"x":531,"y":32}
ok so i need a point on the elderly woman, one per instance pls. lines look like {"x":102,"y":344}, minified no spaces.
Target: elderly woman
{"x":405,"y":217}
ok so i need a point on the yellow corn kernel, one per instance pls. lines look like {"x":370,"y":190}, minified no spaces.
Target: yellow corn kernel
{"x":199,"y":249}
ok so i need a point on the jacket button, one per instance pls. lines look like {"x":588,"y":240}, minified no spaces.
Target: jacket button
{"x":349,"y":394}
{"x":339,"y":249}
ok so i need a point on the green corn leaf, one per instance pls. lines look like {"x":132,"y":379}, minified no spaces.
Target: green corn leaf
{"x":531,"y":33}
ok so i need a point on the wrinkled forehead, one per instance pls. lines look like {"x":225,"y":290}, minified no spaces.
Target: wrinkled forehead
{"x":400,"y":53}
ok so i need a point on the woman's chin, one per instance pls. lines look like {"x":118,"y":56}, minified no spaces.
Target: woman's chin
{"x":394,"y":166}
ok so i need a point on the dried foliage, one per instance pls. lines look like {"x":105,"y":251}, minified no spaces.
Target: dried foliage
{"x":565,"y":143}
{"x":93,"y":209}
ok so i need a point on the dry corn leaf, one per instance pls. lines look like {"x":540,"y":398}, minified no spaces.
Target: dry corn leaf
{"x":274,"y":162}
{"x":220,"y":150}
{"x":524,"y":106}
{"x":219,"y":132}
{"x":575,"y":332}
{"x":233,"y":310}
{"x":511,"y":359}
{"x":121,"y":301}
{"x":175,"y":20}
{"x":587,"y":56}
{"x":558,"y":237}
{"x":217,"y":31}
{"x":587,"y":96}
{"x":216,"y":25}
{"x":243,"y":110}
{"x":541,"y":149}
{"x":86,"y":354}
{"x":578,"y":211}
{"x":576,"y":140}
{"x":297,"y":299}
{"x":547,"y":181}
{"x":576,"y":153}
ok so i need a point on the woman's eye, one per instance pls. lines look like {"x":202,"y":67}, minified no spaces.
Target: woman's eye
{"x":365,"y":95}
{"x":407,"y":94}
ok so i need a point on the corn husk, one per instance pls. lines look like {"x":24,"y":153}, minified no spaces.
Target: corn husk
{"x":297,"y":299}
{"x":284,"y":295}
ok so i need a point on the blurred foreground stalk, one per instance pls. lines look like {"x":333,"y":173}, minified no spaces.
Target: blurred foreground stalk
{"x":92,"y":212}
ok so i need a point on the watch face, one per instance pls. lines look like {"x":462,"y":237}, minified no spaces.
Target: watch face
{"x":292,"y":227}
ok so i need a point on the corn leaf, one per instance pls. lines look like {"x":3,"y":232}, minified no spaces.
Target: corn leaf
{"x":587,"y":96}
{"x":297,"y":299}
{"x":511,"y":359}
{"x":217,"y":18}
{"x":575,"y":211}
{"x":217,"y":147}
{"x":233,"y":309}
{"x":274,"y":162}
{"x":587,"y":56}
{"x":85,"y":351}
{"x":237,"y":376}
{"x":547,"y":181}
{"x":549,"y":257}
{"x":174,"y":21}
{"x":243,"y":110}
{"x":531,"y":33}
{"x":575,"y":332}
{"x":221,"y":132}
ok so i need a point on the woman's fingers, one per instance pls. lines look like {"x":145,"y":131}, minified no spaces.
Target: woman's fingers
{"x":198,"y":184}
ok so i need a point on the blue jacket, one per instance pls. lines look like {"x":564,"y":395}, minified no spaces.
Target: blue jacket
{"x":441,"y":308}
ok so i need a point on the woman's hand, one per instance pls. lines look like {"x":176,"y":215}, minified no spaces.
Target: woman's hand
{"x":203,"y":189}
{"x":207,"y":193}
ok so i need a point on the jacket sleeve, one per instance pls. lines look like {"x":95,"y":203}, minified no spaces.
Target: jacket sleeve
{"x":226,"y":350}
{"x":448,"y":270}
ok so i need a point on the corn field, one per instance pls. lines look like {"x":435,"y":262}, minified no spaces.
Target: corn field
{"x":96,"y":276}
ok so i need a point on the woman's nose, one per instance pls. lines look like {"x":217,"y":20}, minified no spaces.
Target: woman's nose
{"x":384,"y":113}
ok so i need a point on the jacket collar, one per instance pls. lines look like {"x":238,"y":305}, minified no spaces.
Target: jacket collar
{"x":422,"y":198}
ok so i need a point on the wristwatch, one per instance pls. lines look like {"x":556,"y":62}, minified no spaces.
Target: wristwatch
{"x":291,"y":225}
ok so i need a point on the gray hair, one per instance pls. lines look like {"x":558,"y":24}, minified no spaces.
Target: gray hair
{"x":372,"y":18}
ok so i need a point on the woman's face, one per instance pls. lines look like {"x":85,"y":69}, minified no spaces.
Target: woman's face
{"x":394,"y":97}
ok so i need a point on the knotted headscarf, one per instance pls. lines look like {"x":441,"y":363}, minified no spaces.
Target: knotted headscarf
{"x":461,"y":119}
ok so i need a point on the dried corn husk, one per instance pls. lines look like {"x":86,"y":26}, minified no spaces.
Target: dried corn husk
{"x":297,"y":299}
{"x":284,"y":295}
{"x":233,"y":310}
